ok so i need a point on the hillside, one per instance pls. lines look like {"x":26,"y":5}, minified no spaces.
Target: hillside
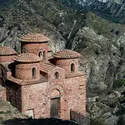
{"x":100,"y":42}
{"x":8,"y":112}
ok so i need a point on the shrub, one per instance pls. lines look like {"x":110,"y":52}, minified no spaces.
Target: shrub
{"x":119,"y":83}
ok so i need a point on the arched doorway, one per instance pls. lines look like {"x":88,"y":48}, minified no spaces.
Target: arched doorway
{"x":55,"y":104}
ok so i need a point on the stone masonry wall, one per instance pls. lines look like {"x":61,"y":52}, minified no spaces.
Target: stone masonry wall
{"x":37,"y":97}
{"x":76,"y":94}
{"x":34,"y":98}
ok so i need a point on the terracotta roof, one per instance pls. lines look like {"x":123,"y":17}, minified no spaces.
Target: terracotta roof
{"x":66,"y":54}
{"x":34,"y":38}
{"x":27,"y":82}
{"x":27,"y":57}
{"x":46,"y":67}
{"x":18,"y":81}
{"x":72,"y":75}
{"x":6,"y":51}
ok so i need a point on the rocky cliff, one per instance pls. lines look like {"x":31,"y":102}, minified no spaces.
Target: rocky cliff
{"x":113,"y":10}
{"x":100,"y":42}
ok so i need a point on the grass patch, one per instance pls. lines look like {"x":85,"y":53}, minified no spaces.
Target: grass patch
{"x":7,"y":112}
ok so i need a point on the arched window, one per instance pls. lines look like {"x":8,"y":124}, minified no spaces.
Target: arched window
{"x":56,"y":75}
{"x":44,"y":55}
{"x":40,"y":54}
{"x":72,"y":67}
{"x":33,"y":72}
{"x":24,"y":51}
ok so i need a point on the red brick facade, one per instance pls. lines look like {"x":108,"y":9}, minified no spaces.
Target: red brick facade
{"x":42,"y":88}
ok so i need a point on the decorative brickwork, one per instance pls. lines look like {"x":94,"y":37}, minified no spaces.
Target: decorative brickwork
{"x":43,"y":88}
{"x":27,"y":57}
{"x":34,"y":38}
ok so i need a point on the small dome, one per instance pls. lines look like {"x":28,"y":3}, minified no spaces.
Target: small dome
{"x":27,"y":57}
{"x":66,"y":54}
{"x":5,"y":51}
{"x":34,"y":38}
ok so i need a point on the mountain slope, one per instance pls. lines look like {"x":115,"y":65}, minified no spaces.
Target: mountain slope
{"x":110,"y":9}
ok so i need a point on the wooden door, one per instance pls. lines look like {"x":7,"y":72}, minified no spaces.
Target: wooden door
{"x":55,"y":104}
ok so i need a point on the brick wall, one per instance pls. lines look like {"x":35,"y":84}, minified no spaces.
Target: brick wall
{"x":13,"y":94}
{"x":52,"y":75}
{"x":34,"y":98}
{"x":72,"y":91}
{"x":76,"y":94}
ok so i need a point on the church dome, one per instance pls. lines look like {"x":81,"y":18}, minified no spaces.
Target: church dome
{"x":34,"y":38}
{"x":27,"y":57}
{"x":66,"y":54}
{"x":5,"y":51}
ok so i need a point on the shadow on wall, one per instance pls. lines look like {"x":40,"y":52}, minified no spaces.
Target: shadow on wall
{"x":30,"y":121}
{"x":3,"y":74}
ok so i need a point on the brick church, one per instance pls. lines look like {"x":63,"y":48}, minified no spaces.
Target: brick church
{"x":42,"y":84}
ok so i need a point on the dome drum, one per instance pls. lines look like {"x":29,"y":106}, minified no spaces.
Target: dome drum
{"x":27,"y":71}
{"x":27,"y":66}
{"x":67,"y":59}
{"x":67,"y":64}
{"x":33,"y":47}
{"x":34,"y":43}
